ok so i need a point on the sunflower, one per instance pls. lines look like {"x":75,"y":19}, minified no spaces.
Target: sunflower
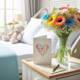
{"x":51,"y":20}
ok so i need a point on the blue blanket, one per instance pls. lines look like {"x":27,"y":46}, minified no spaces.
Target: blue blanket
{"x":8,"y":64}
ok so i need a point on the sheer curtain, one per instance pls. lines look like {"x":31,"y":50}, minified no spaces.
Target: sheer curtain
{"x":31,"y":7}
{"x":9,"y":9}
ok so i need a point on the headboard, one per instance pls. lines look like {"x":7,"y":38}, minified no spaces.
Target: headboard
{"x":76,"y":48}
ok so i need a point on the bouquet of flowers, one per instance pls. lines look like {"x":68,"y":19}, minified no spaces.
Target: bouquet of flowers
{"x":63,"y":21}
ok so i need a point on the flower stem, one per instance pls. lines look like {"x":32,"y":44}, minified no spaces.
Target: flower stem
{"x":61,"y":51}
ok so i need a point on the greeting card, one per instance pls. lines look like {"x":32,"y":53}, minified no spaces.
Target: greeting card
{"x":42,"y":50}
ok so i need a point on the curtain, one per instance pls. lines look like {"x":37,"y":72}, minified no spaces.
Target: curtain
{"x":31,"y":7}
{"x":10,"y":10}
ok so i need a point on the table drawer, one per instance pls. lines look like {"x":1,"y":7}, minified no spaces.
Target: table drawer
{"x":36,"y":76}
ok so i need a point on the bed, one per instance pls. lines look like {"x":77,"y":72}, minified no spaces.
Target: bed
{"x":8,"y":64}
{"x":21,"y":50}
{"x":24,"y":49}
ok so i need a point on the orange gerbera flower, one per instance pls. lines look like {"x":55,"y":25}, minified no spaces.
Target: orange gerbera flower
{"x":60,"y":20}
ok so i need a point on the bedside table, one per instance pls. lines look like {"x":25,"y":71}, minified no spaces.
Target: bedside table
{"x":31,"y":71}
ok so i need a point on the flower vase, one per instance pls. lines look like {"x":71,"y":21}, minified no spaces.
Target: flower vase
{"x":63,"y":51}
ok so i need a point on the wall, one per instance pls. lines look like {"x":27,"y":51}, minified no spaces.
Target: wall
{"x":57,"y":3}
{"x":46,"y":3}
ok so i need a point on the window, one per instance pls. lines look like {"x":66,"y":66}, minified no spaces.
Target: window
{"x":9,"y":9}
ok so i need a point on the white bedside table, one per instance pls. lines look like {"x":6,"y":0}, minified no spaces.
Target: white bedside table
{"x":31,"y":71}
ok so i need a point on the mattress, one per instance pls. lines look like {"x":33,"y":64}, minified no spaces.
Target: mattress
{"x":22,"y":50}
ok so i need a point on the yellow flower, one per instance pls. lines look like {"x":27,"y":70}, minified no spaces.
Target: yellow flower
{"x":51,"y":20}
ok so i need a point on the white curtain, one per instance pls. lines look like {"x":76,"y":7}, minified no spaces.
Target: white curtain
{"x":9,"y":10}
{"x":31,"y":7}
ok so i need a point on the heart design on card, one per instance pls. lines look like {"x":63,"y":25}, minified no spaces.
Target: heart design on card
{"x":42,"y":48}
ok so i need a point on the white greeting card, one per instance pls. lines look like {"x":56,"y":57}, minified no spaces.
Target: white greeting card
{"x":42,"y":50}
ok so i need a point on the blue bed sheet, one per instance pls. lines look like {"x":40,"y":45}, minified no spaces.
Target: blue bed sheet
{"x":8,"y":64}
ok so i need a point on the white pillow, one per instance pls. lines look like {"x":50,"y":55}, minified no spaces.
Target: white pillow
{"x":41,"y":32}
{"x":31,"y":29}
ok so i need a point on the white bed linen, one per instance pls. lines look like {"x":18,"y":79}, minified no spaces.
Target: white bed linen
{"x":20,"y":49}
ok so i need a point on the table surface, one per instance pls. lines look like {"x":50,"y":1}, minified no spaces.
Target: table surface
{"x":47,"y":70}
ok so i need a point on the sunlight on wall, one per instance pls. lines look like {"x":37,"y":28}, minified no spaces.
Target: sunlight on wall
{"x":57,"y":3}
